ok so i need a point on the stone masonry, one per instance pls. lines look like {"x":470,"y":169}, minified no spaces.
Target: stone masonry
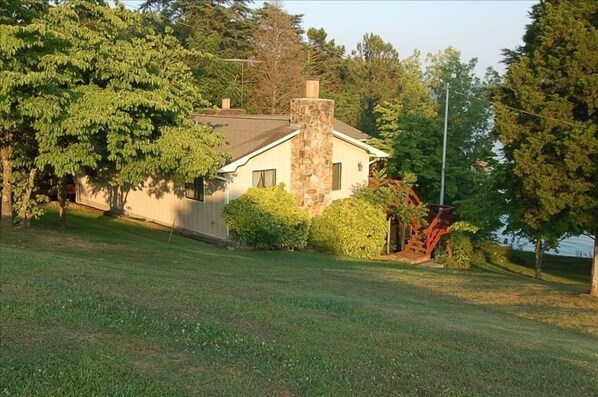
{"x":311,"y":161}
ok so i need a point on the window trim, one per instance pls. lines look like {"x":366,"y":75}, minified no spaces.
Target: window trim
{"x":264,"y":177}
{"x":340,"y":177}
{"x":197,"y":195}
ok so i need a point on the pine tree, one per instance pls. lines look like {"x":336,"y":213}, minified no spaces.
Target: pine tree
{"x":220,"y":30}
{"x":552,"y":147}
{"x":374,"y":73}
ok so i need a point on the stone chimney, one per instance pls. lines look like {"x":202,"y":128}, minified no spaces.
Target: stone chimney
{"x":311,"y":157}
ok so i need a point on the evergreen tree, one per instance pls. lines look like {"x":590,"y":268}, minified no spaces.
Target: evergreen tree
{"x":552,"y":148}
{"x":374,"y":72}
{"x":221,"y":30}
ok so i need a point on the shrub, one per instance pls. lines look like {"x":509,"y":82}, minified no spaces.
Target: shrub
{"x":267,"y":218}
{"x":459,"y":252}
{"x":350,"y":227}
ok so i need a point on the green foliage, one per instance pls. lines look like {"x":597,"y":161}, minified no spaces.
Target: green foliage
{"x":552,"y":154}
{"x":410,"y":125}
{"x":350,"y":227}
{"x":393,"y":198}
{"x":373,"y":76}
{"x":459,"y":251}
{"x":86,"y":85}
{"x":26,"y":205}
{"x":268,"y":218}
{"x":221,"y":30}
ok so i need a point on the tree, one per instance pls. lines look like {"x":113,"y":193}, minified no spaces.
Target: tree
{"x":405,"y":115}
{"x":411,"y":126}
{"x":114,"y":96}
{"x":20,"y":83}
{"x":374,"y":70}
{"x":324,"y":61}
{"x":551,"y":147}
{"x":470,"y":145}
{"x":220,"y":30}
{"x":278,"y":60}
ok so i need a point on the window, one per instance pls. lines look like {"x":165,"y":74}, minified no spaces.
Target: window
{"x":264,"y":178}
{"x":195,"y":190}
{"x":337,"y":170}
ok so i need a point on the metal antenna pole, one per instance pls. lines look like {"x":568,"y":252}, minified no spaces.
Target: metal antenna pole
{"x":444,"y":146}
{"x":243,"y":62}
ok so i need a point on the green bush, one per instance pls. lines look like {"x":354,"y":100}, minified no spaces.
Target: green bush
{"x":459,"y":251}
{"x":349,"y":227}
{"x":267,"y":218}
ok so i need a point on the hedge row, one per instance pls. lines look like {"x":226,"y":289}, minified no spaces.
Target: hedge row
{"x":269,"y":218}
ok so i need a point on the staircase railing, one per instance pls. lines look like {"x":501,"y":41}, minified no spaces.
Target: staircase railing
{"x":444,"y":216}
{"x":440,"y":217}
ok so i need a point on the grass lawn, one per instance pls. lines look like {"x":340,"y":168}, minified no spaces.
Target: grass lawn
{"x":109,"y":307}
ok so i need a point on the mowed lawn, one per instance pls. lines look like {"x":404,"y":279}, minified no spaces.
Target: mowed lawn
{"x":109,"y":307}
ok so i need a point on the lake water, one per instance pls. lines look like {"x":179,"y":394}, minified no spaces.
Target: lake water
{"x":579,"y":246}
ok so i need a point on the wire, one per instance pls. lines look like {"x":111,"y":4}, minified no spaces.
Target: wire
{"x":512,"y":108}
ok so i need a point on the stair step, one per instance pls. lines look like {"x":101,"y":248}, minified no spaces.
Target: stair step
{"x":415,"y":249}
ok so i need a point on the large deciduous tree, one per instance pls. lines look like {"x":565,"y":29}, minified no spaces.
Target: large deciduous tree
{"x":100,"y":89}
{"x":411,"y":126}
{"x":551,"y":147}
{"x":278,"y":60}
{"x":20,"y":82}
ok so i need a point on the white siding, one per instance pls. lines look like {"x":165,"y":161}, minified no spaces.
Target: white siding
{"x":278,"y":158}
{"x":162,"y":202}
{"x":350,"y":156}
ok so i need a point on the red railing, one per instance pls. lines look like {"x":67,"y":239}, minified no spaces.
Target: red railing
{"x":440,"y":217}
{"x":444,"y":216}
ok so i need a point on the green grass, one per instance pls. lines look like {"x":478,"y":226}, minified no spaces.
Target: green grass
{"x":109,"y":307}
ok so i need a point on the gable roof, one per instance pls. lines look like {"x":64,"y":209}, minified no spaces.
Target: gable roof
{"x":250,"y":135}
{"x":246,"y":134}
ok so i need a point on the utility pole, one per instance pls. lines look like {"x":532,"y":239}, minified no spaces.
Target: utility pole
{"x":444,"y":146}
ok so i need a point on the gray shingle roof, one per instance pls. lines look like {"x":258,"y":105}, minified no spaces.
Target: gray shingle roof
{"x":247,"y":133}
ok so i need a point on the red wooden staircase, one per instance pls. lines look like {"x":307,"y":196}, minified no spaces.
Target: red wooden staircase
{"x":423,"y":239}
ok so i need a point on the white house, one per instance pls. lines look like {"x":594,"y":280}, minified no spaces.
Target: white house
{"x":318,"y":158}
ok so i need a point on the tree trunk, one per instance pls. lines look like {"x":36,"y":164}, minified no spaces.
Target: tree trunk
{"x":539,"y":259}
{"x":62,"y":201}
{"x":594,"y":281}
{"x":27,"y":197}
{"x":6,"y":154}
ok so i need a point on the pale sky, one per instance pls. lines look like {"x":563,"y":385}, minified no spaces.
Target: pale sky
{"x":476,"y":28}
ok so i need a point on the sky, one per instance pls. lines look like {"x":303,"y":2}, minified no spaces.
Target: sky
{"x":476,"y":28}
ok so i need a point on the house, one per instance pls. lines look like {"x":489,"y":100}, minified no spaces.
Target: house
{"x":318,"y":158}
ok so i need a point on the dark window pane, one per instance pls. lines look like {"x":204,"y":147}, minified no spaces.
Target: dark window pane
{"x":336,"y":176}
{"x":195,"y":190}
